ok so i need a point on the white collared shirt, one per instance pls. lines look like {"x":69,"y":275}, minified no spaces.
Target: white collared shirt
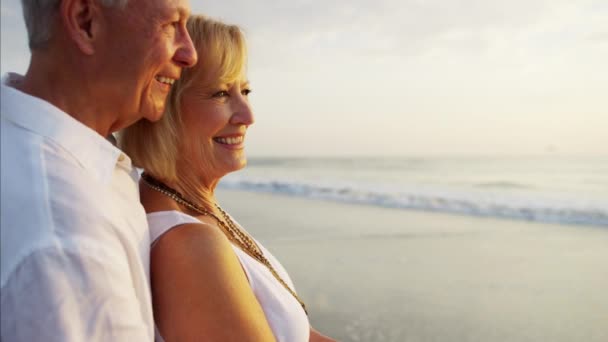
{"x":74,"y":238}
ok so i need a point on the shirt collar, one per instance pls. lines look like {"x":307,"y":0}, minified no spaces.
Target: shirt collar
{"x":97,"y":155}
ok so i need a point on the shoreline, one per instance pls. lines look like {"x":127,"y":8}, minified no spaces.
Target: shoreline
{"x":380,"y":274}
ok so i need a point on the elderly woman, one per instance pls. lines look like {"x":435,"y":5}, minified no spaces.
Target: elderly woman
{"x":211,"y":280}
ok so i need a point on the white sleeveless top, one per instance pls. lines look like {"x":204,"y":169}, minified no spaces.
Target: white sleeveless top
{"x":284,"y":313}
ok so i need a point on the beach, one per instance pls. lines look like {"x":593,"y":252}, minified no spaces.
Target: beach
{"x":369,"y":273}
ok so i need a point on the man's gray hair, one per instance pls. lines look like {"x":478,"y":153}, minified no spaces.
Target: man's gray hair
{"x":39,"y":15}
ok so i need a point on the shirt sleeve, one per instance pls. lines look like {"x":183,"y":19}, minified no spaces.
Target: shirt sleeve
{"x":59,"y":295}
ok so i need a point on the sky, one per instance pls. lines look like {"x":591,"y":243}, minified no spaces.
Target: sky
{"x":412,"y":77}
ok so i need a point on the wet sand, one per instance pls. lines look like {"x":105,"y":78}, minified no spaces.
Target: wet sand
{"x":374,"y":274}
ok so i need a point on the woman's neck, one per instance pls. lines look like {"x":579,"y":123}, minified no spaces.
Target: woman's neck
{"x":197,"y":190}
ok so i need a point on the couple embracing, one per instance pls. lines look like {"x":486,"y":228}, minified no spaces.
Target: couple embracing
{"x":91,"y":250}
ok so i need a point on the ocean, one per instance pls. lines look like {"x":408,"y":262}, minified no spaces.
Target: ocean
{"x":563,"y":190}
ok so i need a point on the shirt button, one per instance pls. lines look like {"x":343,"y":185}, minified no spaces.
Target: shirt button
{"x":121,"y":158}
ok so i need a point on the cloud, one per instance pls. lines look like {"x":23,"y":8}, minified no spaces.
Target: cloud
{"x":14,"y":53}
{"x":281,"y":30}
{"x":10,"y":8}
{"x":601,"y":37}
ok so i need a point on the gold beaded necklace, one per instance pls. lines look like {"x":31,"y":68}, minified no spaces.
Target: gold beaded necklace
{"x":234,"y":233}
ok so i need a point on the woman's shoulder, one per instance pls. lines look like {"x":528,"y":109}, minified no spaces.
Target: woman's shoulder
{"x":163,"y":222}
{"x":173,"y":227}
{"x":199,"y":285}
{"x":195,"y":248}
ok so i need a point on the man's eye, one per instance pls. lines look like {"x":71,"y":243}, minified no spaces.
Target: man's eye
{"x":171,"y":27}
{"x":221,"y":93}
{"x":173,"y":24}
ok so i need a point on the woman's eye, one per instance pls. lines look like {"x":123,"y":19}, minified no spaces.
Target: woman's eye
{"x":246,"y":92}
{"x":221,"y":93}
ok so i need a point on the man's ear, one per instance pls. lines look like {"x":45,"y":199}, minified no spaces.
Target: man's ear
{"x":81,"y":20}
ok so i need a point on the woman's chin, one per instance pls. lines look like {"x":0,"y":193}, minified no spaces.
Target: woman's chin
{"x":235,"y":165}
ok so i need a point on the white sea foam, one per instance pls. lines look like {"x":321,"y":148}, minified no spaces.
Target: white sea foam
{"x":520,"y":205}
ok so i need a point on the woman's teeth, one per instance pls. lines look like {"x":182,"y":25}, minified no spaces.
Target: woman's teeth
{"x":230,"y":141}
{"x":165,"y":80}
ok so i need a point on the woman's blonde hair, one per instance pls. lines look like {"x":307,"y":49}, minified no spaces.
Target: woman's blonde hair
{"x":222,"y":56}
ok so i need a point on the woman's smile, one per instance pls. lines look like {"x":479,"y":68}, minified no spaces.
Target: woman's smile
{"x":233,"y":142}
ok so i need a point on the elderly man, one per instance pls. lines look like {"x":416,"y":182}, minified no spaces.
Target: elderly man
{"x":74,"y":238}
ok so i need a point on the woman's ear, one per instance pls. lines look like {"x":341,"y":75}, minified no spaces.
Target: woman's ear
{"x":81,"y":20}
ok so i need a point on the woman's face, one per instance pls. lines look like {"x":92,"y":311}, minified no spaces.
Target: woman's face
{"x":214,"y":120}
